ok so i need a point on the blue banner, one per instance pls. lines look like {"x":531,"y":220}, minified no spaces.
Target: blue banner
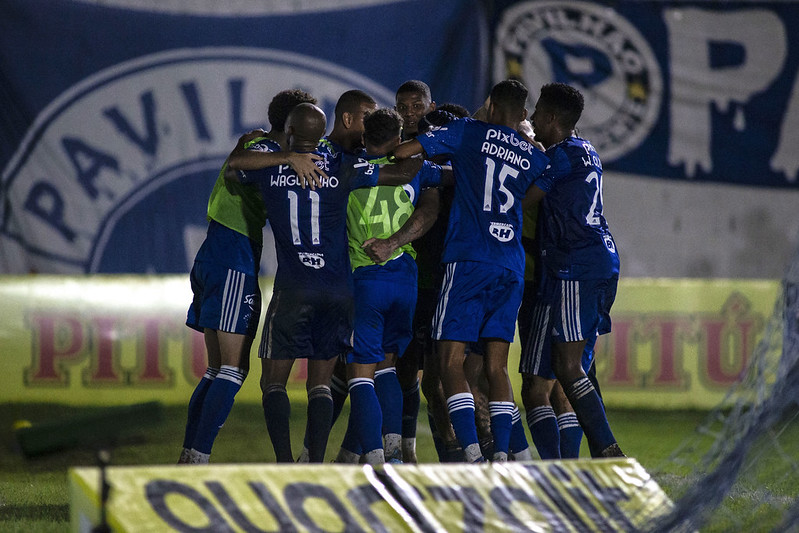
{"x":702,"y":91}
{"x":116,"y":120}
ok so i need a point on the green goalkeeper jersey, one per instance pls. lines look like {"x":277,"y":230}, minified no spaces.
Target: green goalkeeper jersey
{"x":239,"y":206}
{"x":376,"y":212}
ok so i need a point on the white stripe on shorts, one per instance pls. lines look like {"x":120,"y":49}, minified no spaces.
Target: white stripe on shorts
{"x":570,"y":310}
{"x":441,"y":308}
{"x":539,"y":330}
{"x":231,"y":300}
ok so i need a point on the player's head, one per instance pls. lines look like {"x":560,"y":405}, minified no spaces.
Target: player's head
{"x":506,"y":103}
{"x":413,"y":101}
{"x":351,"y":107}
{"x":456,"y":109}
{"x":382,"y":130}
{"x":305,"y":125}
{"x":282,"y":104}
{"x":556,"y":113}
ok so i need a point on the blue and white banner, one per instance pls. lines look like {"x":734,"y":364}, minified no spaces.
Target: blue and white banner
{"x":116,"y":118}
{"x":704,"y":91}
{"x":115,"y":115}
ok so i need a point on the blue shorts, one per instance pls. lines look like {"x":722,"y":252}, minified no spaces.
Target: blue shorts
{"x":383,"y":319}
{"x":564,"y":311}
{"x":477,"y":300}
{"x":224,"y":281}
{"x":307,"y":324}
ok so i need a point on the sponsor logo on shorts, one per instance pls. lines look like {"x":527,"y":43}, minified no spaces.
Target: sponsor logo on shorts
{"x":501,"y":231}
{"x":593,"y":48}
{"x":312,"y":260}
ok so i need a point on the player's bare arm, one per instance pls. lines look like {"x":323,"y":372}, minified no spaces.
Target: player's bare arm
{"x":533,"y":197}
{"x":420,"y":221}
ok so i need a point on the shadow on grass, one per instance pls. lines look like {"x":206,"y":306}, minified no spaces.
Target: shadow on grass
{"x":47,"y":512}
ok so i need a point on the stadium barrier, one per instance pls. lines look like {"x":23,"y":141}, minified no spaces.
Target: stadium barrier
{"x":576,"y":495}
{"x":111,"y":340}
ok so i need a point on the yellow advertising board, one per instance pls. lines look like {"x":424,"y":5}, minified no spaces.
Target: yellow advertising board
{"x":563,"y":496}
{"x":113,"y":340}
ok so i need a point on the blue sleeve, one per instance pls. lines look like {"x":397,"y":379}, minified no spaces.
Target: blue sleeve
{"x":365,"y":173}
{"x":558,"y":166}
{"x":443,"y":140}
{"x":429,"y":175}
{"x":259,"y":144}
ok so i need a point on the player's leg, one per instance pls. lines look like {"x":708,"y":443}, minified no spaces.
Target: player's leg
{"x":320,"y":407}
{"x":501,"y":308}
{"x":408,"y":376}
{"x":276,"y":405}
{"x":234,"y":351}
{"x":583,"y":306}
{"x":447,"y":446}
{"x":473,"y":367}
{"x":500,"y":395}
{"x":227,"y":307}
{"x":198,"y":396}
{"x":460,"y":402}
{"x":390,"y":395}
{"x":541,"y":418}
{"x":571,"y":434}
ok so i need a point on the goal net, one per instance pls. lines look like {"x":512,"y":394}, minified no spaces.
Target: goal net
{"x":739,"y":471}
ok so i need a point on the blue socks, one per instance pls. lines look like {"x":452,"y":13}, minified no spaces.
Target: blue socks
{"x":571,"y":435}
{"x":196,"y":406}
{"x":461,"y":414}
{"x":544,"y":430}
{"x":411,"y":400}
{"x":216,"y":406}
{"x":320,"y":420}
{"x":365,"y":416}
{"x":501,"y":424}
{"x":277,"y":410}
{"x":591,"y":414}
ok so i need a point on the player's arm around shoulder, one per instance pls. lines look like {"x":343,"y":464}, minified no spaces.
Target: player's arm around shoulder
{"x":420,"y":221}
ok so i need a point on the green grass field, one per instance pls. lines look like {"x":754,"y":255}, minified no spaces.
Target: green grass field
{"x":34,"y":491}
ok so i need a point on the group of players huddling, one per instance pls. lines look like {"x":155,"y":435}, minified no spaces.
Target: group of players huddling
{"x":411,"y":238}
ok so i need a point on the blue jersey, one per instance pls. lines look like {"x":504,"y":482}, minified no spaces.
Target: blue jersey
{"x":310,"y":226}
{"x":493,"y":168}
{"x":575,"y":241}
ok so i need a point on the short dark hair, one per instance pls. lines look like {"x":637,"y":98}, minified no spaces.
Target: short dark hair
{"x":456,"y":109}
{"x":381,"y":125}
{"x":415,"y":86}
{"x":350,"y":101}
{"x":565,"y":101}
{"x":510,"y":95}
{"x":282,"y":104}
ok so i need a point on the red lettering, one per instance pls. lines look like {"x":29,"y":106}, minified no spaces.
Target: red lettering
{"x":104,"y":368}
{"x":58,"y":341}
{"x":666,"y":353}
{"x":619,"y":373}
{"x":151,"y":363}
{"x":728,"y":340}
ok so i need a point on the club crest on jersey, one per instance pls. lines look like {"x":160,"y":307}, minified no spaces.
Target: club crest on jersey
{"x":312,"y":260}
{"x":593,"y":48}
{"x":501,"y":231}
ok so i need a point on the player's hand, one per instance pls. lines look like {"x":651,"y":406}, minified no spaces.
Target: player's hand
{"x":378,"y":250}
{"x":307,"y":172}
{"x":252,"y":134}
